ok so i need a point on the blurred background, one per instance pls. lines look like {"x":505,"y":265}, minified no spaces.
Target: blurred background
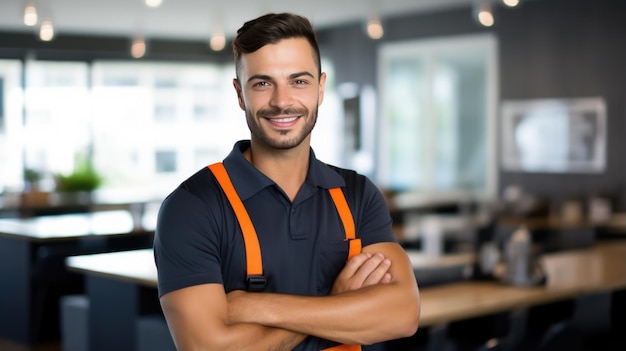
{"x":417,"y":93}
{"x":475,"y":118}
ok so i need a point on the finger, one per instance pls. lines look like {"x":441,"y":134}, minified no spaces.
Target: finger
{"x":368,"y":267}
{"x":345,"y":280}
{"x":379,"y":273}
{"x":353,"y":264}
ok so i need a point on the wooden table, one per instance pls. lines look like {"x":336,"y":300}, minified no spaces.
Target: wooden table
{"x":119,"y":276}
{"x":33,"y":275}
{"x":570,"y":274}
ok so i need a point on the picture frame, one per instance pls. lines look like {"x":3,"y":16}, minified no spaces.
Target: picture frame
{"x":554,"y":135}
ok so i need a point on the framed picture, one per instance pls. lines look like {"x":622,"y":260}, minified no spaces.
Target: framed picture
{"x":554,"y":135}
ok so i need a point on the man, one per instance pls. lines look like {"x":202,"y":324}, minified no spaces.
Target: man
{"x":312,"y":296}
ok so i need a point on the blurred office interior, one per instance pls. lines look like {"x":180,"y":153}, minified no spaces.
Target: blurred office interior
{"x":472,"y":131}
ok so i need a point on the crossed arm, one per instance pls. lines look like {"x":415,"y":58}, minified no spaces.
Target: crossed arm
{"x":374,"y":298}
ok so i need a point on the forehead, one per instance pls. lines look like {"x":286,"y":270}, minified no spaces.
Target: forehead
{"x":287,"y":55}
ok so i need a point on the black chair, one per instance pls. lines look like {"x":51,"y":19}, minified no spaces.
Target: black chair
{"x":589,"y":327}
{"x":562,"y":336}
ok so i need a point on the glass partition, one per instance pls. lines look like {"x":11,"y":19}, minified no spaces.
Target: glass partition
{"x":438,"y":105}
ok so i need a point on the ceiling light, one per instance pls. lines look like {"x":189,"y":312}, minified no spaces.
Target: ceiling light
{"x":484,"y":15}
{"x":375,"y":29}
{"x":153,"y":3}
{"x":46,"y":31}
{"x":138,"y":47}
{"x":511,"y":3}
{"x":30,"y":14}
{"x":218,"y":42}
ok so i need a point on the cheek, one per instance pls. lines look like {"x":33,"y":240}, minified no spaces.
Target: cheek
{"x":256,"y":100}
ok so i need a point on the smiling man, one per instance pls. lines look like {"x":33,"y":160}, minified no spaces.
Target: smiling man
{"x":272,"y":249}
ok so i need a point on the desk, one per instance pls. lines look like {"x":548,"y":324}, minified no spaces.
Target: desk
{"x":115,"y":284}
{"x":118,"y":277}
{"x":32,"y":269}
{"x":570,"y":274}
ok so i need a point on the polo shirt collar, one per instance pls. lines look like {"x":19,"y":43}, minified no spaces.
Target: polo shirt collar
{"x":248,"y":180}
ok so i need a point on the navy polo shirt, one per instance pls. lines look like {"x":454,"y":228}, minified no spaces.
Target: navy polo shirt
{"x":198,"y":239}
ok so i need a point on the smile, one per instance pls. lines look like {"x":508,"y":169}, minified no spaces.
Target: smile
{"x":283,"y":120}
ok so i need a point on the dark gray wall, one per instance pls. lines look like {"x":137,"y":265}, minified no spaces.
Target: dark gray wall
{"x":569,"y":48}
{"x":547,"y":49}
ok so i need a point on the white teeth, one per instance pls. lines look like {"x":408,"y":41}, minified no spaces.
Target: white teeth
{"x":284,"y":120}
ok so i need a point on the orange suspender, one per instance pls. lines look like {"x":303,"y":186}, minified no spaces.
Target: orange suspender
{"x":346,"y":218}
{"x":253,"y":250}
{"x":254,"y":263}
{"x":250,"y":239}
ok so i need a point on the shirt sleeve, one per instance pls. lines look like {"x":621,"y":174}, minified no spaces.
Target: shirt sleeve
{"x":186,"y":243}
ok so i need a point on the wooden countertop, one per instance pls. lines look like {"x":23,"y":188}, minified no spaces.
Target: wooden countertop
{"x":570,"y":273}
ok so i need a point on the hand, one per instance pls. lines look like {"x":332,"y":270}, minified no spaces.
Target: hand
{"x":362,"y":270}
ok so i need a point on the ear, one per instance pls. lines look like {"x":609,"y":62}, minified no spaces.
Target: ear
{"x":237,"y":86}
{"x":321,"y":88}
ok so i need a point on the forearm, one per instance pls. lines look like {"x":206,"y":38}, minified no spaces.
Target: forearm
{"x":245,"y":336}
{"x":364,"y":316}
{"x":239,"y":336}
{"x":264,"y":338}
{"x":200,"y":323}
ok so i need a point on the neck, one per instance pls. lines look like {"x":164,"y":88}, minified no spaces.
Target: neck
{"x":287,"y":168}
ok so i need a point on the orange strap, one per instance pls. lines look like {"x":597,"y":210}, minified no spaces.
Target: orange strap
{"x":348,"y":222}
{"x":344,"y":348}
{"x":251,"y":241}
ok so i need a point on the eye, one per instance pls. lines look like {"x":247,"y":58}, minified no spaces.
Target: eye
{"x":301,"y":82}
{"x":261,"y":84}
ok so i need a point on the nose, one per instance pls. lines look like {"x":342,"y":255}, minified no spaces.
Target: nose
{"x":281,"y":96}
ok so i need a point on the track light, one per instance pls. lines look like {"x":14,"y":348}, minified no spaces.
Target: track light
{"x":153,"y":3}
{"x":46,"y":31}
{"x":30,"y":14}
{"x":484,"y":13}
{"x":218,"y":42}
{"x":511,"y":3}
{"x":138,"y":47}
{"x":375,"y":29}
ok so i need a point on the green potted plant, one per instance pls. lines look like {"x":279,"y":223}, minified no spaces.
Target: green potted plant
{"x":84,"y":179}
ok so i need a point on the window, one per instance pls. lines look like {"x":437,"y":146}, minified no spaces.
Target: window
{"x":145,"y":126}
{"x":165,"y":161}
{"x":148,"y":134}
{"x":11,"y":130}
{"x":438,"y":104}
{"x":57,"y":116}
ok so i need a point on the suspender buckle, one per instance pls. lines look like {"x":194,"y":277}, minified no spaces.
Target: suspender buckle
{"x":256,"y":283}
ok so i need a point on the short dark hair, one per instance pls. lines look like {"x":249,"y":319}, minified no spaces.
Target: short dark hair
{"x":270,"y":29}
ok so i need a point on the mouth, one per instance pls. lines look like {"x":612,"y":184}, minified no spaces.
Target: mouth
{"x":283,"y":122}
{"x":284,"y":119}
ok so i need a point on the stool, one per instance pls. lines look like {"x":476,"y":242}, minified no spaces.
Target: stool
{"x":75,"y":323}
{"x":153,"y":334}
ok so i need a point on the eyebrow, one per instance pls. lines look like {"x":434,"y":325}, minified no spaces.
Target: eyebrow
{"x":291,"y":76}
